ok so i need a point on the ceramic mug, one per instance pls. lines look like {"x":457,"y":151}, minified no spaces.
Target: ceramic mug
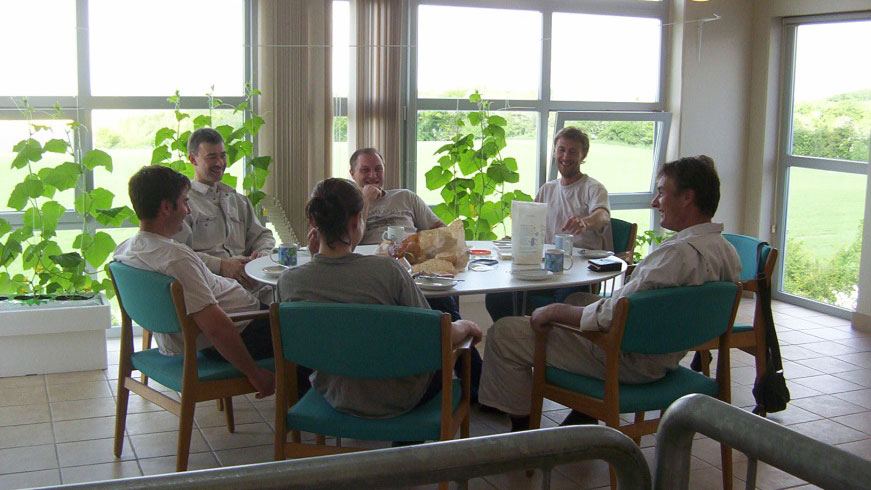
{"x":564,"y":242}
{"x":394,"y":233}
{"x":286,"y":255}
{"x":554,"y":260}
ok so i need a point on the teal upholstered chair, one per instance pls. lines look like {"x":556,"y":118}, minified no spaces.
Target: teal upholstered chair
{"x":657,"y":321}
{"x":156,"y":303}
{"x":750,"y":338}
{"x":364,"y":341}
{"x":623,"y":234}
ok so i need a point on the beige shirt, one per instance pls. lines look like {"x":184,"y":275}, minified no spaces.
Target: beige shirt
{"x":578,"y":199}
{"x":202,"y":288}
{"x":222,"y":225}
{"x":397,"y":207}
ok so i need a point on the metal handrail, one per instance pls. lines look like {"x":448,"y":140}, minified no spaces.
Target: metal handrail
{"x":457,"y":460}
{"x":759,"y":438}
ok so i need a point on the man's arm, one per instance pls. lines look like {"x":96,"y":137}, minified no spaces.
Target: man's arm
{"x":222,"y":333}
{"x":461,"y":329}
{"x":556,"y":312}
{"x":594,"y":222}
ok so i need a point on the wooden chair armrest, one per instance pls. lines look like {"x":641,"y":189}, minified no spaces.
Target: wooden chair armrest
{"x":458,"y":349}
{"x":626,"y":256}
{"x":248,"y":315}
{"x":598,"y":338}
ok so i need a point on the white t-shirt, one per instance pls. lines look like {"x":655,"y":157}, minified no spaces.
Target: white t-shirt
{"x":202,"y":288}
{"x":578,"y":199}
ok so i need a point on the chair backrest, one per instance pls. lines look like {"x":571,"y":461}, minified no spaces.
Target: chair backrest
{"x":145,"y":297}
{"x":660,"y":321}
{"x":623,"y":233}
{"x":363,"y":341}
{"x":747,"y":246}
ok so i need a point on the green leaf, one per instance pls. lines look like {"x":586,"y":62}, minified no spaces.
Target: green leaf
{"x":256,"y":196}
{"x":446,"y":162}
{"x":202,"y":121}
{"x":253,"y":125}
{"x":240,"y":107}
{"x":467,"y":163}
{"x":51,"y":214}
{"x":233,"y":154}
{"x":230,"y":180}
{"x":114,"y":216}
{"x":162,"y":135}
{"x":437,"y":177}
{"x":246,"y":147}
{"x":160,"y":154}
{"x":20,"y":161}
{"x":261,"y":162}
{"x":225,"y":131}
{"x":448,"y":193}
{"x":10,"y":251}
{"x":31,"y":188}
{"x":443,"y":148}
{"x":62,"y":177}
{"x":498,"y":173}
{"x":69,"y":260}
{"x":99,"y":251}
{"x":29,"y":149}
{"x":475,"y":118}
{"x":56,"y":146}
{"x":511,"y":163}
{"x":82,"y":240}
{"x":444,"y":213}
{"x":475,"y":98}
{"x":179,"y":115}
{"x":497,"y":120}
{"x":102,"y":198}
{"x":5,"y":227}
{"x":6,"y":284}
{"x":491,"y":212}
{"x":97,"y":158}
{"x":260,"y":177}
{"x":182,"y":143}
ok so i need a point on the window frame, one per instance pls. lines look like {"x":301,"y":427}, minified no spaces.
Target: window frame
{"x":786,"y":160}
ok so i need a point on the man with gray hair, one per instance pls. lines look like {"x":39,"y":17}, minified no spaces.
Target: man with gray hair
{"x":222,"y":227}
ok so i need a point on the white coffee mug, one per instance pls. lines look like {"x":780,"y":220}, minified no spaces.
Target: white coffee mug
{"x":564,"y":241}
{"x":394,"y":233}
{"x":554,"y":260}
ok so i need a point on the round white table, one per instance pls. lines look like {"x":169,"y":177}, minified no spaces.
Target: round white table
{"x":498,"y":279}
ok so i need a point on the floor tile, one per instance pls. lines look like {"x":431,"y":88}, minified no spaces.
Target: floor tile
{"x":207,"y":415}
{"x":767,"y":477}
{"x":827,"y":383}
{"x":859,"y":421}
{"x":25,"y":435}
{"x":796,"y":337}
{"x":75,"y":377}
{"x":827,"y":405}
{"x":246,"y":455}
{"x":165,"y":444}
{"x":151,"y":422}
{"x":82,"y":409}
{"x":166,"y":464}
{"x":830,"y":365}
{"x":711,"y":479}
{"x":24,"y":414}
{"x":78,"y":391}
{"x":860,"y":397}
{"x":100,"y":472}
{"x":793,"y":415}
{"x":829,"y":432}
{"x":708,"y":450}
{"x":829,"y":348}
{"x":859,"y":448}
{"x":31,"y":458}
{"x":24,"y":395}
{"x":861,"y":377}
{"x":92,"y":452}
{"x":246,"y":435}
{"x":799,"y":352}
{"x":22,"y":381}
{"x":861,"y":359}
{"x":84,"y":429}
{"x":794,"y":369}
{"x":517,"y":480}
{"x":42,"y":478}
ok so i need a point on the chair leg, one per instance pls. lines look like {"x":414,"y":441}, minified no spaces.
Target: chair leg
{"x":705,"y":357}
{"x":146,"y":344}
{"x":639,"y":417}
{"x":726,"y":456}
{"x":121,"y":415}
{"x":320,"y":440}
{"x":185,"y":426}
{"x":220,"y":404}
{"x":228,"y":412}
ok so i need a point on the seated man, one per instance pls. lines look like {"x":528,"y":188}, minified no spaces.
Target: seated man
{"x":222,"y":227}
{"x":576,"y":204}
{"x":160,"y":199}
{"x":688,"y":192}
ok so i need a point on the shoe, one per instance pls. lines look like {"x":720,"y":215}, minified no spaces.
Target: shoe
{"x":488,"y":409}
{"x":577,"y":418}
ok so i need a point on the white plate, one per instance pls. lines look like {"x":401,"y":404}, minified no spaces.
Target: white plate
{"x":594,"y":254}
{"x":435,"y":284}
{"x":274,"y":270}
{"x":531,"y":274}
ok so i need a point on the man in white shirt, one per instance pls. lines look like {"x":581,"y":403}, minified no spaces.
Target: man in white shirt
{"x":576,"y":204}
{"x":160,"y":199}
{"x":688,"y":192}
{"x":222,"y":227}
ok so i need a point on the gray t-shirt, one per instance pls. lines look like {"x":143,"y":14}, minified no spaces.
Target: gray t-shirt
{"x":362,"y":279}
{"x":397,"y":207}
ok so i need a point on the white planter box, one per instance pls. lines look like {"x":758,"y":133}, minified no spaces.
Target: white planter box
{"x":54,"y":337}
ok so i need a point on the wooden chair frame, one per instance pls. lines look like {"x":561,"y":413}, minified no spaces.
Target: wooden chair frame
{"x":193,"y":390}
{"x":286,"y":395}
{"x":608,"y":409}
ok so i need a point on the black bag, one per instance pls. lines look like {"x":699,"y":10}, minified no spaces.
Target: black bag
{"x":770,"y":390}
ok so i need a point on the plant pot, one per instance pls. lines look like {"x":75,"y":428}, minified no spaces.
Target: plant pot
{"x":55,"y":336}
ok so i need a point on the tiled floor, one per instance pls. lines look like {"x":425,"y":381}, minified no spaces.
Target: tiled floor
{"x":58,"y":428}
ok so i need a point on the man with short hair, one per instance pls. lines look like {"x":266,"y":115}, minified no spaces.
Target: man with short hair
{"x":160,"y":198}
{"x":688,"y":191}
{"x":222,"y":227}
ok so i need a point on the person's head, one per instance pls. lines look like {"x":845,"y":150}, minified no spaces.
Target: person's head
{"x":367,"y":167}
{"x":207,"y":154}
{"x":157,"y":191}
{"x":570,"y":148}
{"x":688,"y":192}
{"x":335,"y":209}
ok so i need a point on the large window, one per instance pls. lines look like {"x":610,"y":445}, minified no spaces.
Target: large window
{"x":543,"y":65}
{"x":824,"y":155}
{"x":341,"y":66}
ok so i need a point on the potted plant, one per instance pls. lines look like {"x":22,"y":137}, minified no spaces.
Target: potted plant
{"x":472,"y":174}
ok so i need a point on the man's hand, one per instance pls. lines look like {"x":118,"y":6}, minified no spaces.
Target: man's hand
{"x":235,"y":269}
{"x":461,"y":329}
{"x":264,"y":381}
{"x":314,"y":241}
{"x":371,"y":193}
{"x":575,"y":225}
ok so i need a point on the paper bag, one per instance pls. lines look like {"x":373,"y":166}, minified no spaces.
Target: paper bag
{"x":527,"y":231}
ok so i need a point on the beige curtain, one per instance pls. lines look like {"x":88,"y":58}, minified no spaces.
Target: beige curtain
{"x":294,"y":74}
{"x":374,"y":107}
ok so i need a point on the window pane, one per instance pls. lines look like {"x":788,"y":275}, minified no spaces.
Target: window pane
{"x":605,"y":58}
{"x":460,"y":50}
{"x":340,"y":148}
{"x":341,"y":48}
{"x":11,"y":132}
{"x":128,"y":136}
{"x":824,"y":235}
{"x":160,"y":46}
{"x":435,"y":128}
{"x":832,"y":94}
{"x":621,"y":154}
{"x":641,"y":217}
{"x":39,"y":48}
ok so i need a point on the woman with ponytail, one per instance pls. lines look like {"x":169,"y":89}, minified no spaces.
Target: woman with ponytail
{"x":338,"y":275}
